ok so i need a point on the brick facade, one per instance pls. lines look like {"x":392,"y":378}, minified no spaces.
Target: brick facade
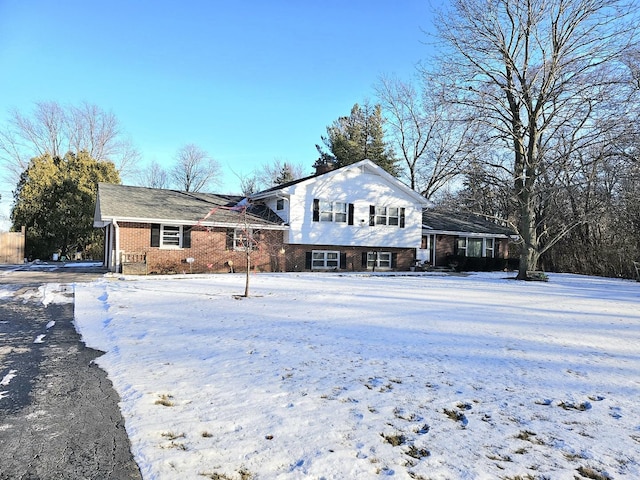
{"x":445,"y":246}
{"x":213,"y":253}
{"x":210,"y":248}
{"x":296,"y":257}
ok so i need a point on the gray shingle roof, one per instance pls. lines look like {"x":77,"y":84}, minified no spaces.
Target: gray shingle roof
{"x":461,"y":222}
{"x":152,"y":204}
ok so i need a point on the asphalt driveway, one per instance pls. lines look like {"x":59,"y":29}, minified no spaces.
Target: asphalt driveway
{"x":59,"y":415}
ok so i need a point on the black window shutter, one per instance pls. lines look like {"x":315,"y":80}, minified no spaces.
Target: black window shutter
{"x":455,"y":245}
{"x":155,"y":234}
{"x":343,"y":260}
{"x":229,"y":239}
{"x":316,"y":210}
{"x":402,"y":217}
{"x":372,"y":215}
{"x":186,"y":237}
{"x":394,"y":260}
{"x":307,"y":260}
{"x":364,"y":259}
{"x":350,"y":217}
{"x":496,"y":248}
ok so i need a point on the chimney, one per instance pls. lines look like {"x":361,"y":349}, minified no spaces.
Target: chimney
{"x":323,"y":167}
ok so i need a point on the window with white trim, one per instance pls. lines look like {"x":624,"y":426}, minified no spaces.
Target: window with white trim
{"x":170,"y":236}
{"x":387,"y":216}
{"x":475,"y":247}
{"x":378,"y":260}
{"x":243,"y":239}
{"x":325,"y":259}
{"x":333,"y":211}
{"x":489,"y":247}
{"x":280,"y":204}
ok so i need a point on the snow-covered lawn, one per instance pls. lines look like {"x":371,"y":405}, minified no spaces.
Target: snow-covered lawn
{"x":328,"y":376}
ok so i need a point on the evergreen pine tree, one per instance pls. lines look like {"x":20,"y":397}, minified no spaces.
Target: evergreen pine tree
{"x":357,"y":137}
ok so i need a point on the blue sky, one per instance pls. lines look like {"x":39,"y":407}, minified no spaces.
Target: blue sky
{"x":248,"y":81}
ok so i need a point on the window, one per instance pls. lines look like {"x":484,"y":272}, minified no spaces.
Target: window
{"x":333,"y":211}
{"x":378,"y":260}
{"x":325,"y":259}
{"x":488,"y":247}
{"x":280,"y":204}
{"x":170,"y":236}
{"x":243,"y":239}
{"x":387,"y":216}
{"x":391,"y":216}
{"x":325,"y":211}
{"x":475,"y":247}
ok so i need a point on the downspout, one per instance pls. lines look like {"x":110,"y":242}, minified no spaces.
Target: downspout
{"x":433,"y":248}
{"x":105,"y":248}
{"x":116,"y":232}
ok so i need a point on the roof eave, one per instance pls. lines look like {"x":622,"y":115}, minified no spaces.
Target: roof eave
{"x":107,"y":220}
{"x":466,"y":234}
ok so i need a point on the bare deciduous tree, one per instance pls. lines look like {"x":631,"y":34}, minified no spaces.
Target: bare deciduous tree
{"x":278,"y":172}
{"x":153,"y":176}
{"x":55,"y":130}
{"x":431,"y":143}
{"x":269,"y":175}
{"x":530,"y":69}
{"x":194,"y":169}
{"x":249,"y":184}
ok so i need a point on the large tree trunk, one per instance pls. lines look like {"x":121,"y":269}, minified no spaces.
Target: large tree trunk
{"x":529,"y":253}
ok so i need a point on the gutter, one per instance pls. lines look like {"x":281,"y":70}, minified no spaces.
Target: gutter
{"x":165,"y":221}
{"x":117,"y":245}
{"x":426,"y":229}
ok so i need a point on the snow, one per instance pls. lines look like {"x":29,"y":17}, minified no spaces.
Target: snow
{"x":365,"y":376}
{"x":5,"y":382}
{"x":81,"y":264}
{"x":8,"y":377}
{"x":55,"y":293}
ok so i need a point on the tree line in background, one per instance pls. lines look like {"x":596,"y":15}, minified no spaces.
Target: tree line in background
{"x":550,"y":90}
{"x":528,"y":116}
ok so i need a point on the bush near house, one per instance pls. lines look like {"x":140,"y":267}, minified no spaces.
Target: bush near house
{"x":481,"y":264}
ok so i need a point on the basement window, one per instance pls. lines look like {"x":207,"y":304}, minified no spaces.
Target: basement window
{"x":325,"y":259}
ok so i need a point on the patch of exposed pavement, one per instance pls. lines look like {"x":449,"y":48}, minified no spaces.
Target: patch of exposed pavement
{"x":59,"y":414}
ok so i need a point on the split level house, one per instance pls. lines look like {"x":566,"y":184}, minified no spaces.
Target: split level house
{"x":354,"y":218}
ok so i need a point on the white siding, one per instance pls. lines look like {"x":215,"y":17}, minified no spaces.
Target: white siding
{"x":272,"y":203}
{"x":361,"y":189}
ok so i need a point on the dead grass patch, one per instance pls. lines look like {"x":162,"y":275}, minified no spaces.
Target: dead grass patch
{"x":528,"y":476}
{"x":529,"y":436}
{"x":165,"y":400}
{"x":581,"y":407}
{"x":176,"y":445}
{"x":456,"y":416}
{"x":574,"y":456}
{"x":418,"y":453}
{"x":499,"y":458}
{"x":416,"y":476}
{"x":395,"y":439}
{"x":243,"y":473}
{"x":592,"y":473}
